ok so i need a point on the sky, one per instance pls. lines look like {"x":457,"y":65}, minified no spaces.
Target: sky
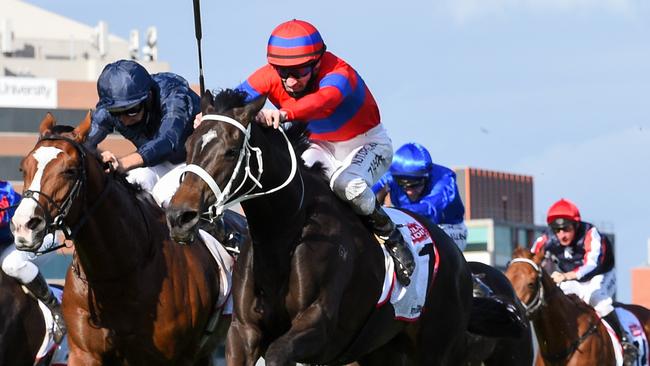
{"x":555,"y":89}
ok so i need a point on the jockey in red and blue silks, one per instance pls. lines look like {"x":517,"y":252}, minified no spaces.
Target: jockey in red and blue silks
{"x":415,"y":183}
{"x":154,"y":112}
{"x":586,"y":263}
{"x":310,"y":85}
{"x":20,"y":265}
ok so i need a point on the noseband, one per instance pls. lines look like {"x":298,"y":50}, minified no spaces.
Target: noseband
{"x":52,"y":224}
{"x":224,"y":197}
{"x":538,"y":300}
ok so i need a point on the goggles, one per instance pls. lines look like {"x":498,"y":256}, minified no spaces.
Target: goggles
{"x":131,"y":112}
{"x":294,"y":72}
{"x":411,"y":182}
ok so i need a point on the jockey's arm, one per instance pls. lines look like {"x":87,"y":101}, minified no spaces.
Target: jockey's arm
{"x":125,"y":163}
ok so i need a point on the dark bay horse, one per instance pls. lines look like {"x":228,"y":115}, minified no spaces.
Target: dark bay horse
{"x":500,"y":351}
{"x":568,"y":330}
{"x":22,"y":327}
{"x":132,"y":295}
{"x":306,"y":290}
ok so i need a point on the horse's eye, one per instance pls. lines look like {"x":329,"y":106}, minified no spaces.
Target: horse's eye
{"x":531,"y":286}
{"x":231,"y":153}
{"x":72,"y":172}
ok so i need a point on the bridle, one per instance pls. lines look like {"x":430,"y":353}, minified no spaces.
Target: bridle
{"x":538,"y":300}
{"x":52,"y":224}
{"x":226,"y":197}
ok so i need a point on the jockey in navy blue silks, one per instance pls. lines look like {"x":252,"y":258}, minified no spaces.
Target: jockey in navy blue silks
{"x":19,"y":264}
{"x":415,"y":183}
{"x":586,"y":264}
{"x":154,"y":112}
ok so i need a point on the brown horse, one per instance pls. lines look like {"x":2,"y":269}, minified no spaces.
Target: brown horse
{"x":568,"y":330}
{"x":22,"y":327}
{"x":132,"y":295}
{"x":306,"y":290}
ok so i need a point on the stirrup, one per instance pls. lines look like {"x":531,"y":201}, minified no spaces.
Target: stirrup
{"x":58,"y":329}
{"x":630,"y":352}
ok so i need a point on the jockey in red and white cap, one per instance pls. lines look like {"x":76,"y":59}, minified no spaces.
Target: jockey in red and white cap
{"x":311,"y":85}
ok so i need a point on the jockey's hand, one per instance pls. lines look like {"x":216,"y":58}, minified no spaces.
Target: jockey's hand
{"x":112,"y":161}
{"x":197,"y":120}
{"x":271,"y":117}
{"x":559,"y":277}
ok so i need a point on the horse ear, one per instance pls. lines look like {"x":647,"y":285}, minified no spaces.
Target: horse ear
{"x":81,"y":132}
{"x":206,"y":103}
{"x":46,"y":124}
{"x":246,"y":113}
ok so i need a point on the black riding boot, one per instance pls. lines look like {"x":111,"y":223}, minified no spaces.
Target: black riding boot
{"x":382,"y":226}
{"x":630,"y":351}
{"x":480,"y":289}
{"x":229,"y":238}
{"x":42,"y":291}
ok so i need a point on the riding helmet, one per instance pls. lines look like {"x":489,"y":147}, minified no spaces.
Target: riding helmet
{"x":562,"y":213}
{"x":122,"y":85}
{"x":294,"y":43}
{"x":411,"y":160}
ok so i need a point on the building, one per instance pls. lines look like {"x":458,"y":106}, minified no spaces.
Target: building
{"x":640,"y":280}
{"x":53,"y":67}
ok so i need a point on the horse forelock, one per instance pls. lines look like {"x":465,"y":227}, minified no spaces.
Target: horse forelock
{"x":227,"y":99}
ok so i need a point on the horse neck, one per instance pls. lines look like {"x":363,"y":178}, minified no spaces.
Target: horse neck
{"x":557,"y":320}
{"x":116,"y":235}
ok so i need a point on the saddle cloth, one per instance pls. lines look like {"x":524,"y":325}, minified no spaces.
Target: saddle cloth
{"x":635,"y":332}
{"x":225,"y":263}
{"x":59,"y":352}
{"x":408,"y":302}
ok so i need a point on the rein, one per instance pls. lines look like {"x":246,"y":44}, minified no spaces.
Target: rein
{"x":224,"y":197}
{"x":539,"y":301}
{"x":57,"y":223}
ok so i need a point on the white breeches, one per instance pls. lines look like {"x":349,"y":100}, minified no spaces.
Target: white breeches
{"x":353,"y":166}
{"x":23,"y":266}
{"x":160,"y":180}
{"x":597,"y":292}
{"x":458,"y":232}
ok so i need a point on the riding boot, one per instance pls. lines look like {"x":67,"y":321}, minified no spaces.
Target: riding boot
{"x":630,"y":351}
{"x":382,"y":226}
{"x":480,"y":289}
{"x":39,"y":288}
{"x":231,"y":238}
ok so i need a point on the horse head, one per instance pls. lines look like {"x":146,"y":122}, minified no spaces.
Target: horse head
{"x":219,"y":161}
{"x":525,"y":272}
{"x":53,"y":174}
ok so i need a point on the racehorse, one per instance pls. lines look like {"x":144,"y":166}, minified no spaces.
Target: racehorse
{"x":132,"y":295}
{"x":569,"y":331}
{"x":306,"y":290}
{"x":500,"y":351}
{"x":22,"y":327}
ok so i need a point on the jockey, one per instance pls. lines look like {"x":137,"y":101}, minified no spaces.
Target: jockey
{"x":154,"y":112}
{"x":415,"y":183}
{"x":311,"y":85}
{"x":18,"y":264}
{"x":586,"y":264}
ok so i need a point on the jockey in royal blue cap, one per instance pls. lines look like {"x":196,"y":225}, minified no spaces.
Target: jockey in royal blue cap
{"x":415,"y":183}
{"x":18,"y":264}
{"x":154,"y":112}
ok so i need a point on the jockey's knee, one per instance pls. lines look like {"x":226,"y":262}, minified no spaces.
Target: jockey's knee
{"x":356,"y":191}
{"x":144,"y":177}
{"x":602,"y":306}
{"x":18,"y":267}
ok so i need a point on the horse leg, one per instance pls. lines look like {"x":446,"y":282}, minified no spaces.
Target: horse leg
{"x":398,"y":352}
{"x":304,"y":338}
{"x":242,"y":345}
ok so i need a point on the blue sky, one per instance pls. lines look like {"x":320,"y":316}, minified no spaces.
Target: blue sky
{"x":556,"y":89}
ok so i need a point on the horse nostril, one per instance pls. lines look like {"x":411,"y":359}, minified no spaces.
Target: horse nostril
{"x":35,"y":223}
{"x":187,"y":217}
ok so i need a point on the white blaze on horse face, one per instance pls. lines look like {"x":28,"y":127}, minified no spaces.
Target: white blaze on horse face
{"x":27,"y":207}
{"x":205,"y":139}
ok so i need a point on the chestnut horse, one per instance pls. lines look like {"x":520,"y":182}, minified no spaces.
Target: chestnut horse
{"x":306,"y":290}
{"x":22,"y":327}
{"x":132,"y":295}
{"x":568,"y":330}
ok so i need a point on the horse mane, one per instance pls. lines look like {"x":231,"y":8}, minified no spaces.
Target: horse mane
{"x":297,"y":133}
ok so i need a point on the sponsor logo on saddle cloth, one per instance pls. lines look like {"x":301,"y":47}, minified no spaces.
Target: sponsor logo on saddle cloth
{"x":48,"y":347}
{"x":635,"y":333}
{"x":408,"y":302}
{"x":225,"y":263}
